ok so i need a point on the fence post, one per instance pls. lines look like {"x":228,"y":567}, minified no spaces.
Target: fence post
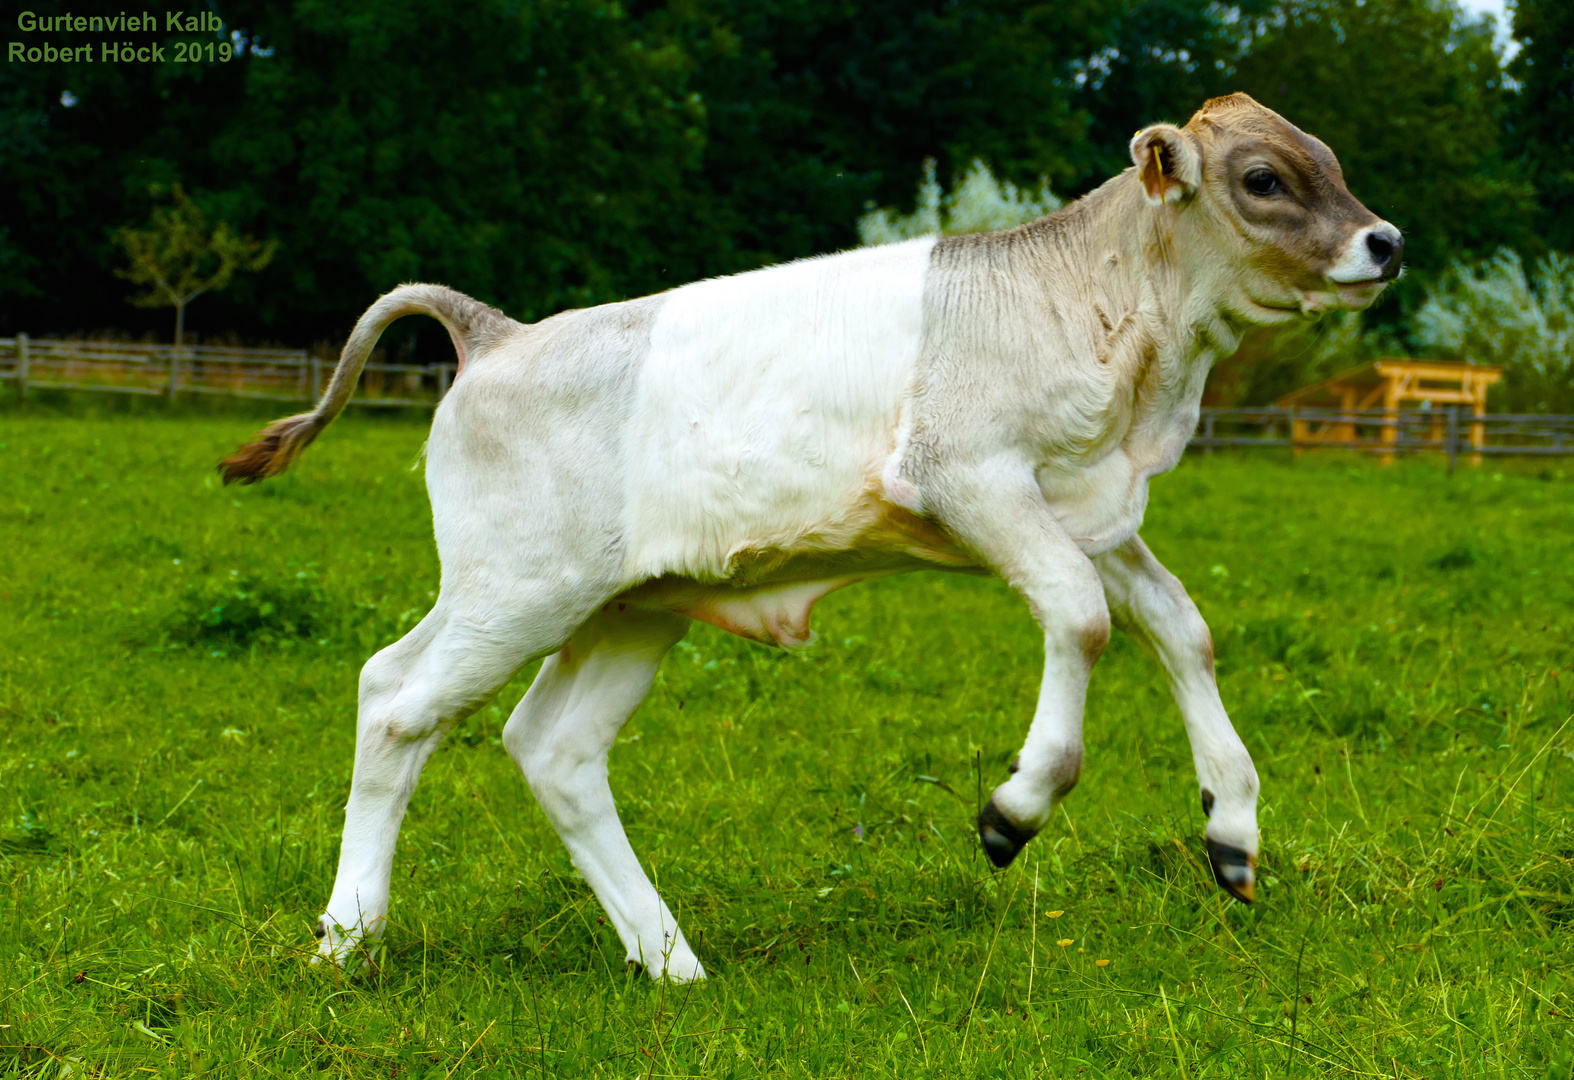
{"x":444,"y":377}
{"x":1207,"y":432}
{"x":316,"y":378}
{"x":174,"y":373}
{"x":1390,"y":430}
{"x":1453,"y":437}
{"x":21,"y":367}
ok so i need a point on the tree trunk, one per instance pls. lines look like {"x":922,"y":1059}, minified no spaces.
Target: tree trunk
{"x":180,"y":322}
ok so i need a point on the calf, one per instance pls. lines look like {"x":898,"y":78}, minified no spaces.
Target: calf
{"x":735,"y":449}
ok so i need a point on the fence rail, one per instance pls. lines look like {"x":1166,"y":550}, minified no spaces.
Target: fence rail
{"x":1448,"y":430}
{"x":297,"y":376}
{"x":269,"y":374}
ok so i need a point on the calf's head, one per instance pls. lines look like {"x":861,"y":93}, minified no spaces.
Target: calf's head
{"x":1259,"y":210}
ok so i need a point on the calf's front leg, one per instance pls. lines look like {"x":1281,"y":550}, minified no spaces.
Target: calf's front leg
{"x":1150,"y":604}
{"x":1003,"y":518}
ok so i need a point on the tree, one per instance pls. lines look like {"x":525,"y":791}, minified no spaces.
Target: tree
{"x":560,"y":153}
{"x":819,"y":110}
{"x":1543,"y":113}
{"x":1158,"y":60}
{"x":179,"y":256}
{"x":538,"y":156}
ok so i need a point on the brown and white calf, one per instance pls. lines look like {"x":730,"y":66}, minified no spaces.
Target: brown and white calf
{"x":735,"y":449}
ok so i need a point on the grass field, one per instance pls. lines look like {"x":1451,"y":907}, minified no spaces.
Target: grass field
{"x":178,"y":666}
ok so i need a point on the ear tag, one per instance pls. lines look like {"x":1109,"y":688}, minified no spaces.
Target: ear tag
{"x":1158,"y":163}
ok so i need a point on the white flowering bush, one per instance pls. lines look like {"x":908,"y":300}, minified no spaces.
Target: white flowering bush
{"x":979,"y":203}
{"x":1494,"y":313}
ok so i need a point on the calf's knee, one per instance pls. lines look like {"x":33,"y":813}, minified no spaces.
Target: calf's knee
{"x":404,"y":702}
{"x":1092,"y":637}
{"x":395,"y":719}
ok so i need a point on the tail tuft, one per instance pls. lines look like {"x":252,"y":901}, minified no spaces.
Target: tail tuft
{"x":273,"y":450}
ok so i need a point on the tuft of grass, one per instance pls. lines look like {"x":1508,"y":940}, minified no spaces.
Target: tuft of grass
{"x":29,"y":838}
{"x":240,"y":610}
{"x":169,"y":807}
{"x":1458,"y":557}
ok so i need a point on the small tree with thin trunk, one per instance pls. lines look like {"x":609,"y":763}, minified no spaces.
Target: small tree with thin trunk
{"x":180,"y":255}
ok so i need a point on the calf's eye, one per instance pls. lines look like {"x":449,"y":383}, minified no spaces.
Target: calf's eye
{"x":1262,"y":181}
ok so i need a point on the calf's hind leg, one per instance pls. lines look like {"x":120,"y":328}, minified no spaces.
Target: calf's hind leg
{"x":560,"y":735}
{"x":411,"y":694}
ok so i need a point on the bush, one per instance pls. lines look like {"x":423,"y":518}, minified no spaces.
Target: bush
{"x":240,"y":610}
{"x":1492,"y":313}
{"x":235,"y":612}
{"x":979,"y":203}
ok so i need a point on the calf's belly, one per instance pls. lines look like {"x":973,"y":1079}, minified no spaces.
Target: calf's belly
{"x":768,"y":593}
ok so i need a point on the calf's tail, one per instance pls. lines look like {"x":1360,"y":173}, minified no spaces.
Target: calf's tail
{"x":281,"y":442}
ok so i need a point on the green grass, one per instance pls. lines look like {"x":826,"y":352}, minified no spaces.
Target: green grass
{"x":177,"y":682}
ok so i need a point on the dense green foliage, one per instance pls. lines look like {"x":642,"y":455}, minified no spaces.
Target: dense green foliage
{"x":1543,"y":118}
{"x":536,"y":153}
{"x":564,"y":152}
{"x":1394,"y":645}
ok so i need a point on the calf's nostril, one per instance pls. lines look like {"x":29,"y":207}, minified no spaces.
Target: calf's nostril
{"x":1381,"y":248}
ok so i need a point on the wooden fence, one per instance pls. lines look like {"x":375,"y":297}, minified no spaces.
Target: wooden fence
{"x":295,"y":375}
{"x":269,"y":374}
{"x":1449,"y":430}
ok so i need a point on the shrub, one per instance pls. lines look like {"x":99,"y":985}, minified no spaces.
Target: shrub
{"x":239,"y":610}
{"x":232,"y":613}
{"x":979,"y":203}
{"x":1493,"y":313}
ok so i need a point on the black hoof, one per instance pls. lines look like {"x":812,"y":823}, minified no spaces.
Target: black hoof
{"x":320,"y":931}
{"x":1001,"y":839}
{"x":1233,"y":870}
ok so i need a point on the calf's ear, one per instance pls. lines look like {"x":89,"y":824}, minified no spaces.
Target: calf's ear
{"x":1168,"y":162}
